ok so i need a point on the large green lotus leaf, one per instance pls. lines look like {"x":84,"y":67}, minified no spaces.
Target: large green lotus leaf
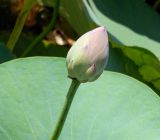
{"x":32,"y":93}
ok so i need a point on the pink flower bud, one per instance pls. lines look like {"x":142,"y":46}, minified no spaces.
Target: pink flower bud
{"x":87,"y":58}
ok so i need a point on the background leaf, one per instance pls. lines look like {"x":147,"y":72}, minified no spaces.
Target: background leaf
{"x":135,"y":24}
{"x":128,"y":23}
{"x":113,"y":107}
{"x":143,"y":65}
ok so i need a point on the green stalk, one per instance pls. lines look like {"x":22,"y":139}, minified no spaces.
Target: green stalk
{"x":68,"y":101}
{"x":20,"y":23}
{"x":46,"y":30}
{"x":155,"y":6}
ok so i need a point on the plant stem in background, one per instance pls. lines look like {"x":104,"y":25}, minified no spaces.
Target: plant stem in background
{"x":46,"y":30}
{"x":155,"y":6}
{"x":69,"y":98}
{"x":20,"y":23}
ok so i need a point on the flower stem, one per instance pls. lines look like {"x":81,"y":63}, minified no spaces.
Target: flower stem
{"x":46,"y":30}
{"x":28,"y":4}
{"x":155,"y":6}
{"x":68,"y":101}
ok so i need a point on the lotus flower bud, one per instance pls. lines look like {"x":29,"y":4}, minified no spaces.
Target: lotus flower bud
{"x":88,"y":56}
